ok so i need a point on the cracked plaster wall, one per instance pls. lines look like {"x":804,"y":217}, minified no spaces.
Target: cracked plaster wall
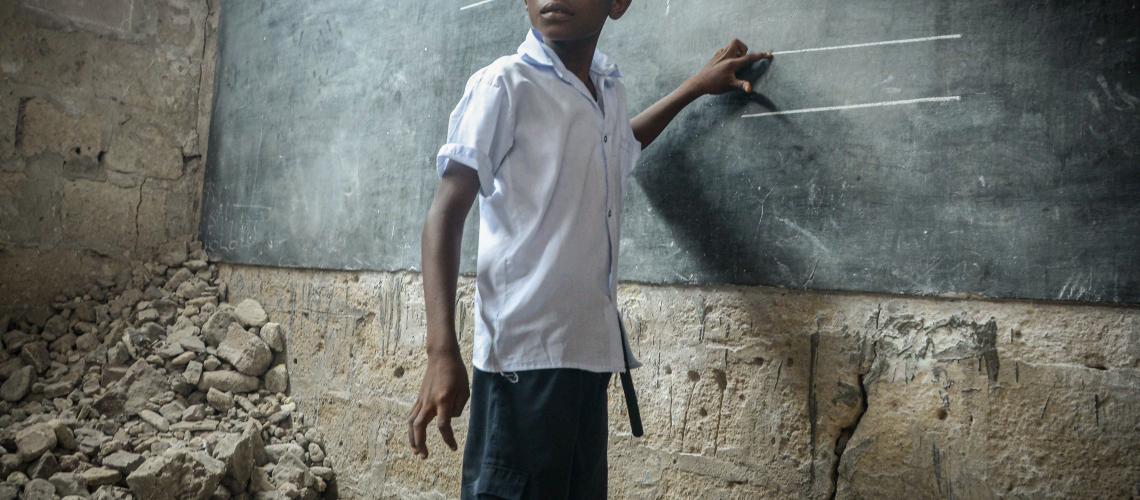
{"x":104,"y":108}
{"x":756,"y":392}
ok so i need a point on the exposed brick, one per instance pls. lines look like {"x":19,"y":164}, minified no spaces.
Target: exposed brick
{"x":99,"y":216}
{"x":143,"y":147}
{"x":30,"y":204}
{"x":45,"y":127}
{"x":161,"y":80}
{"x":39,"y":57}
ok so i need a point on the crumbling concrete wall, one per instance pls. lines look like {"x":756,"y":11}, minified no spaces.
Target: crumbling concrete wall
{"x":104,"y":109}
{"x":754,"y":392}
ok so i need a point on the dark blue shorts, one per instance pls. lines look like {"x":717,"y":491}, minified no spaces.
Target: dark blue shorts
{"x":540,"y":435}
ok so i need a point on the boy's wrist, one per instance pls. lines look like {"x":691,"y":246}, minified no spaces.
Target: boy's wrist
{"x":441,"y":351}
{"x":690,"y":90}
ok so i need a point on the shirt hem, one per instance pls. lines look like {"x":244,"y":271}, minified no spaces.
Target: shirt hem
{"x":514,"y":367}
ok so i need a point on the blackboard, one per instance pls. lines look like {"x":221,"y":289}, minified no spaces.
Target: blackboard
{"x":963,"y":148}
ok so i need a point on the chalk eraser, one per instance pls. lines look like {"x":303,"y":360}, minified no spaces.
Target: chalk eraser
{"x":755,"y":70}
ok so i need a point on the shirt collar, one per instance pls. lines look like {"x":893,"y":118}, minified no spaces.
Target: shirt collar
{"x":536,"y":52}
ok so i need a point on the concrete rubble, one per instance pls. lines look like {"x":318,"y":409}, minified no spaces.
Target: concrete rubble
{"x":151,"y":386}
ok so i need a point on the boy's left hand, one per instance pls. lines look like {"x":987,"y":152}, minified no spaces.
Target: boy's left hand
{"x":719,"y":75}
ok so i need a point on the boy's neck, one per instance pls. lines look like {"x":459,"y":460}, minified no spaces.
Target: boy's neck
{"x":577,"y":56}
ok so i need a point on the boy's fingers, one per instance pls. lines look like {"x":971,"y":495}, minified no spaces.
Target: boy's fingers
{"x":743,"y":85}
{"x":419,"y":428}
{"x":738,"y":62}
{"x":411,"y":424}
{"x":444,"y":425}
{"x":738,"y":46}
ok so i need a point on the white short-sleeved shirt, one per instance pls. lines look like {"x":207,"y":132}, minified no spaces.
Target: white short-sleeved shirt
{"x":553,"y":165}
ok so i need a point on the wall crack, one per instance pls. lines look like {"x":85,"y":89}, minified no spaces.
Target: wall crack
{"x":845,"y":435}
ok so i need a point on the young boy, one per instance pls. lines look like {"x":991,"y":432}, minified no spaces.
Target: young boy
{"x":543,"y":136}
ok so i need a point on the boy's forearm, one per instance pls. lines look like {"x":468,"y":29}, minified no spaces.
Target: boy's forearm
{"x":440,"y":250}
{"x":648,"y":124}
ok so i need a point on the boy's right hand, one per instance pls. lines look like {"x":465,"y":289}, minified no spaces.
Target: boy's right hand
{"x":719,"y":74}
{"x":443,"y":394}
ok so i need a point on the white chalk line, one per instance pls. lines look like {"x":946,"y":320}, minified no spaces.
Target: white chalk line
{"x":871,"y":44}
{"x":476,"y":4}
{"x":952,"y":98}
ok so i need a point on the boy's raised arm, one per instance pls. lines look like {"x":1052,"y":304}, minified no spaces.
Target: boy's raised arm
{"x":717,"y":77}
{"x":444,"y":390}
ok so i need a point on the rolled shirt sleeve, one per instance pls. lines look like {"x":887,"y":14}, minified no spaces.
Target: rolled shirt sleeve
{"x":480,"y":130}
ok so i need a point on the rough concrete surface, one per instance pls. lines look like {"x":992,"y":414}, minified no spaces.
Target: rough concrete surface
{"x":758,"y":392}
{"x":104,"y":109}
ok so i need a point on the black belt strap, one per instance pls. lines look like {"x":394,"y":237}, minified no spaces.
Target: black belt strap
{"x":627,"y":388}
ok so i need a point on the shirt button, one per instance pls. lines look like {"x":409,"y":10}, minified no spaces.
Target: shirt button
{"x":609,"y":213}
{"x":605,"y":138}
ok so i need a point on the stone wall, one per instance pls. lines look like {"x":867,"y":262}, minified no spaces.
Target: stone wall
{"x":104,"y":108}
{"x":755,"y":392}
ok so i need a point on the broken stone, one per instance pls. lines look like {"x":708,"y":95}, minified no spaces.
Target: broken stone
{"x":322,"y":472}
{"x":292,"y":469}
{"x":193,"y":344}
{"x":193,"y":372}
{"x":259,"y":480}
{"x":56,"y":326}
{"x":17,"y":385}
{"x":36,"y":354}
{"x":201,"y":426}
{"x":238,"y":451}
{"x":123,"y":461}
{"x":39,"y":489}
{"x":64,"y":437}
{"x":211,"y":363}
{"x":273,"y":336}
{"x":167,"y":310}
{"x":274,"y":452}
{"x":245,"y":351}
{"x":147,"y":315}
{"x":194,"y":413}
{"x":177,"y":473}
{"x":147,"y":334}
{"x":57,"y":389}
{"x":99,"y":476}
{"x":67,"y":483}
{"x":7,"y":368}
{"x":172,"y":411}
{"x":118,"y":355}
{"x":130,"y":393}
{"x":33,"y":441}
{"x":178,"y":279}
{"x":228,"y":381}
{"x":316,"y":454}
{"x":155,"y":420}
{"x":16,"y":339}
{"x":87,"y":342}
{"x":64,"y":343}
{"x":44,"y":466}
{"x":169,"y":351}
{"x":183,"y":359}
{"x":277,"y":379}
{"x":216,"y":327}
{"x":219,"y":400}
{"x":250,"y":313}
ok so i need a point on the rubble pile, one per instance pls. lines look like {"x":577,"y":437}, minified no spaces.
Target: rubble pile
{"x":151,"y":386}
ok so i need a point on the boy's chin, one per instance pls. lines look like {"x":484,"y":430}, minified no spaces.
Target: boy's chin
{"x":560,"y":33}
